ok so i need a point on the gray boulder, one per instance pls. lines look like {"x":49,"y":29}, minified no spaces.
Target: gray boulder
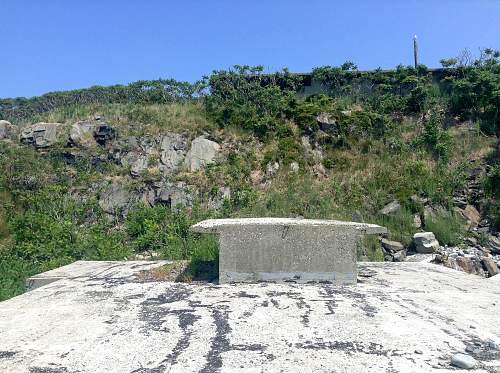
{"x":7,"y":130}
{"x":81,"y":134}
{"x":470,"y":214}
{"x":172,"y":151}
{"x":399,"y":256}
{"x":104,"y":133}
{"x":116,"y":199}
{"x":390,"y":208}
{"x":392,"y":246}
{"x":174,"y":195}
{"x":40,"y":135}
{"x":425,"y":242}
{"x":202,"y":152}
{"x":3,"y":128}
{"x":139,"y":165}
{"x":326,"y":121}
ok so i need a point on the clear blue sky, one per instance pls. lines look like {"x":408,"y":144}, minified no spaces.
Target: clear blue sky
{"x":48,"y":45}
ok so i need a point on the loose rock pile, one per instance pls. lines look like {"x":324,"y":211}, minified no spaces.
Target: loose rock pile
{"x":479,"y":251}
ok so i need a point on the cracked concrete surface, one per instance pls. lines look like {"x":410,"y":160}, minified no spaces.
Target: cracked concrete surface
{"x":400,"y":317}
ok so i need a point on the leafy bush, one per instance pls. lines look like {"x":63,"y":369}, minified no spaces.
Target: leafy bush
{"x":475,"y":91}
{"x":246,"y":97}
{"x":435,"y":137}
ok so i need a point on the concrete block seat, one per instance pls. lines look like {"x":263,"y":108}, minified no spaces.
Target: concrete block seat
{"x":279,"y":249}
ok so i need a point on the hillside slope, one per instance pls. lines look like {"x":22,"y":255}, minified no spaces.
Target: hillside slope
{"x":107,"y":180}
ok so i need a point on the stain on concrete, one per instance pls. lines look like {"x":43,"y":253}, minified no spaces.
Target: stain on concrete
{"x":50,"y":370}
{"x":220,"y":342}
{"x":7,"y":354}
{"x":347,"y":347}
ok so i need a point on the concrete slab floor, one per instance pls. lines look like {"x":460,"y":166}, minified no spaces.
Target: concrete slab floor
{"x":118,"y":270}
{"x":400,"y":317}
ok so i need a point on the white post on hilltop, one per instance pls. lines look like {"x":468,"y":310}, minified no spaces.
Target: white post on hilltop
{"x":415,"y":50}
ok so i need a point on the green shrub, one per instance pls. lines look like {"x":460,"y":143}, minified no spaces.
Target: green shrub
{"x":246,"y":97}
{"x":492,"y":182}
{"x":435,"y":137}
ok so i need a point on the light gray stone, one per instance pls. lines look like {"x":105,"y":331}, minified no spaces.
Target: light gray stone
{"x":139,"y":166}
{"x":40,"y":135}
{"x":470,"y":214}
{"x":425,"y":242}
{"x":116,"y":198}
{"x":201,"y":153}
{"x":391,"y":245}
{"x":81,"y":134}
{"x":7,"y":130}
{"x":172,"y":151}
{"x":326,"y":121}
{"x":294,"y":167}
{"x":399,"y":256}
{"x":463,"y":361}
{"x":390,"y":208}
{"x":175,"y":195}
{"x":3,"y":128}
{"x":276,"y":249}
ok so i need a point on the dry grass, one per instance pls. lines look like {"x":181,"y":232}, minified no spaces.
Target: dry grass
{"x":171,"y":272}
{"x":135,"y":119}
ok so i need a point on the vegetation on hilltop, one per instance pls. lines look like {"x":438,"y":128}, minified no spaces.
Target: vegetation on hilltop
{"x":381,"y":136}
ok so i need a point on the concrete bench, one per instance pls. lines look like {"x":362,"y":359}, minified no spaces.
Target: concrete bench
{"x":277,"y":249}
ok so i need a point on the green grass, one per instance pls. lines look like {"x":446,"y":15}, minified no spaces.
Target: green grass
{"x":136,"y":119}
{"x":447,"y":227}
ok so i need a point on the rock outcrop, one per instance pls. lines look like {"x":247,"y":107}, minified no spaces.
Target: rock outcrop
{"x":425,"y":242}
{"x":201,"y":153}
{"x":390,"y":208}
{"x":104,"y":133}
{"x":40,"y":135}
{"x":116,"y":199}
{"x":173,"y":151}
{"x":175,"y":195}
{"x":81,"y":134}
{"x":7,"y":130}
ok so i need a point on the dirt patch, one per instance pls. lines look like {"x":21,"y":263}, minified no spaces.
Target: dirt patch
{"x":182,"y":271}
{"x":170,"y":272}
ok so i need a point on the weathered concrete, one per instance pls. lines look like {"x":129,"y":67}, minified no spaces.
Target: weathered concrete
{"x":94,"y":270}
{"x":401,"y":317}
{"x":277,"y":249}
